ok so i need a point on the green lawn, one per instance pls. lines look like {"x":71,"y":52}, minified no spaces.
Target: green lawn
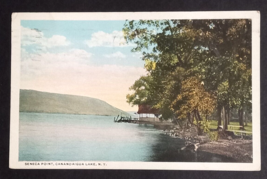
{"x":213,"y":125}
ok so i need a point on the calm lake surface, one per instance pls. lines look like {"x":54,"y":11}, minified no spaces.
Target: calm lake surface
{"x":67,"y":137}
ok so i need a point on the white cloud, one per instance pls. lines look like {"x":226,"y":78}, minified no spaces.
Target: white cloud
{"x":115,"y":55}
{"x":75,"y":55}
{"x":26,"y":55}
{"x":36,"y":37}
{"x":80,"y":53}
{"x":57,"y":40}
{"x":100,"y":38}
{"x":43,"y":63}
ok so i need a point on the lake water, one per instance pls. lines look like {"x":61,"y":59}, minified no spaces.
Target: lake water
{"x":67,"y":137}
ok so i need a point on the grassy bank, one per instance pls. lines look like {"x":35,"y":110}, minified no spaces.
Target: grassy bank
{"x":214,"y":124}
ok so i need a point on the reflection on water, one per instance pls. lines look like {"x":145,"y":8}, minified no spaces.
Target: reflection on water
{"x":65,"y":137}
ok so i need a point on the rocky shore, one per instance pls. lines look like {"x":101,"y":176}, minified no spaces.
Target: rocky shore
{"x":238,"y":149}
{"x":229,"y":145}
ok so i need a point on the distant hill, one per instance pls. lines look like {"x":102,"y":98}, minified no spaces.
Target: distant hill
{"x":43,"y":102}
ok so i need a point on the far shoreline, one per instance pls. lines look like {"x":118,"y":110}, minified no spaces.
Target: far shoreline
{"x":66,"y":113}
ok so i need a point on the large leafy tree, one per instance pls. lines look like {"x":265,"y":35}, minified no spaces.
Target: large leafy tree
{"x":142,"y":91}
{"x":227,"y":68}
{"x":215,"y":53}
{"x":194,"y":99}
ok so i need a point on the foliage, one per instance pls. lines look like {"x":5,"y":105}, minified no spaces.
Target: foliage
{"x":193,"y":66}
{"x":193,"y":96}
{"x":214,"y":136}
{"x":141,"y":89}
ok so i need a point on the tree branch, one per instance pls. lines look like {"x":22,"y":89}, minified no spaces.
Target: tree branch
{"x":175,"y":47}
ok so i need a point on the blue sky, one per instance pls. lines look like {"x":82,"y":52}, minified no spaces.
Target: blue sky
{"x":78,"y":31}
{"x":88,"y":58}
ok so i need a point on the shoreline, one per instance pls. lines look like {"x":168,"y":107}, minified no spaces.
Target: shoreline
{"x":237,"y":148}
{"x":65,"y":113}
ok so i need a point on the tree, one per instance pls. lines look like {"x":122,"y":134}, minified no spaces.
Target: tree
{"x":142,"y":91}
{"x":228,"y":68}
{"x":193,"y":98}
{"x":183,"y":53}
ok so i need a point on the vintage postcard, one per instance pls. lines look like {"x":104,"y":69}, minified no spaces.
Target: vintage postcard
{"x":150,"y":90}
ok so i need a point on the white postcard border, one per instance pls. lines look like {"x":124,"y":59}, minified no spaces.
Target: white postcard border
{"x":15,"y":86}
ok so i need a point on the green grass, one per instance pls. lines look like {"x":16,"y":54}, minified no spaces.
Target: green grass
{"x":248,"y":127}
{"x":214,"y":124}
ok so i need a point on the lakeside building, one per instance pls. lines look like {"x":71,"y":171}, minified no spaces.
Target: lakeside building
{"x":147,"y":113}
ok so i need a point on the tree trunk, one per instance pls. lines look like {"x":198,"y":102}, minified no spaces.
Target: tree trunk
{"x":196,"y":115}
{"x":225,"y":126}
{"x":177,"y":121}
{"x":188,"y":118}
{"x":241,"y":120}
{"x":199,"y":118}
{"x":219,"y":110}
{"x":245,"y":118}
{"x":192,"y":117}
{"x":229,"y":116}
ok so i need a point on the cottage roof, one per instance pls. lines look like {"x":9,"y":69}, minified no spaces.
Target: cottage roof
{"x":147,"y":109}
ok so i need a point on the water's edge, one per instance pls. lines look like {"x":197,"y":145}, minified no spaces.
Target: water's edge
{"x":65,"y":137}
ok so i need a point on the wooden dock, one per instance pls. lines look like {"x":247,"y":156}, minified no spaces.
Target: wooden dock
{"x":125,"y":119}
